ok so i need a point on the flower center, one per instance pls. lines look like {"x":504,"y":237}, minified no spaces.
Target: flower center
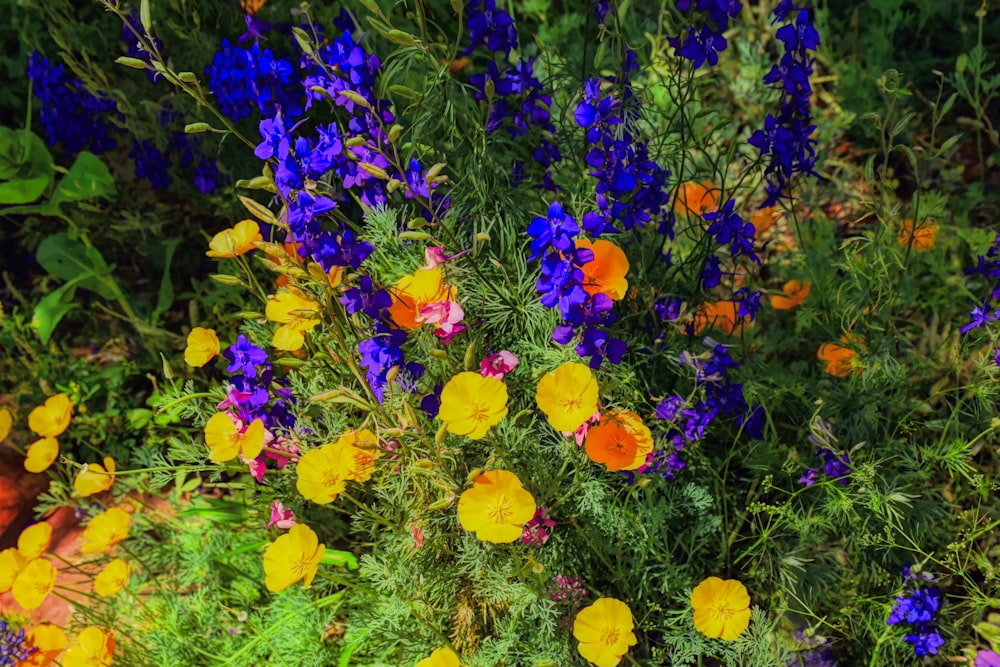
{"x":480,"y":412}
{"x":331,"y":477}
{"x":609,"y":636}
{"x":501,"y":510}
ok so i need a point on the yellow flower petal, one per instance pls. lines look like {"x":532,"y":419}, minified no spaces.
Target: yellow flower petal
{"x":496,"y":507}
{"x":94,"y":478}
{"x":202,"y":346}
{"x":222,"y":438}
{"x":50,"y":640}
{"x":442,"y":657}
{"x":471,"y":404}
{"x":721,"y":608}
{"x":236,"y":241}
{"x":6,"y":421}
{"x":34,"y":583}
{"x":34,"y":540}
{"x":11,"y":564}
{"x":293,"y":556}
{"x":41,"y":454}
{"x":106,"y":530}
{"x":568,"y":396}
{"x":323,"y":472}
{"x":604,"y":630}
{"x":93,"y":647}
{"x":52,"y":418}
{"x":112,"y":578}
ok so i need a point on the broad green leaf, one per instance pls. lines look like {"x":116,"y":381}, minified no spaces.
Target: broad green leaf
{"x":26,"y":165}
{"x":88,"y":178}
{"x":69,"y":259}
{"x":54,"y":307}
{"x":23,"y":190}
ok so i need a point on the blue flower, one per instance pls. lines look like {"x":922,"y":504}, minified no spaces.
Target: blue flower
{"x":490,"y":27}
{"x":14,"y":646}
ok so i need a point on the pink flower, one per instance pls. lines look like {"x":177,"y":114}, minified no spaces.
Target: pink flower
{"x":499,"y":364}
{"x":234,"y":398}
{"x":257,"y":469}
{"x":446,"y":315}
{"x":281,"y":517}
{"x":434,"y":257}
{"x":287,"y":451}
{"x":581,"y":433}
{"x":536,"y":530}
{"x":418,"y":536}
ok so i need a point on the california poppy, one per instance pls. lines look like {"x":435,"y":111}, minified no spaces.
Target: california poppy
{"x":604,"y":630}
{"x":721,"y":608}
{"x":697,"y":198}
{"x":923,"y":237}
{"x":795,"y":293}
{"x":840,"y":360}
{"x":496,"y":507}
{"x":605,"y":274}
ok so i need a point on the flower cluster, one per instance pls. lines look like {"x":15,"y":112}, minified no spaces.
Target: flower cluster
{"x":687,"y":422}
{"x":836,"y":464}
{"x":918,"y":608}
{"x":583,"y":304}
{"x":322,"y":473}
{"x":705,"y":45}
{"x":490,"y":27}
{"x":631,"y":187}
{"x":70,"y":114}
{"x":787,"y":139}
{"x":241,"y":78}
{"x":14,"y":646}
{"x":988,"y":267}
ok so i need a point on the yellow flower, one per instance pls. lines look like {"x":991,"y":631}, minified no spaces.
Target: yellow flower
{"x":604,"y":630}
{"x":293,"y":556}
{"x":11,"y":564}
{"x":202,"y":346}
{"x":235,"y":241}
{"x":34,"y":540}
{"x":226,"y":441}
{"x":496,"y":507}
{"x":323,"y":472}
{"x":413,"y":292}
{"x":442,"y":657}
{"x":41,"y":454}
{"x":471,"y":404}
{"x":105,"y":530}
{"x":112,"y":578}
{"x":296,"y":314}
{"x":6,"y":421}
{"x":50,"y":640}
{"x":95,"y":478}
{"x":34,"y":583}
{"x":721,"y":608}
{"x":567,"y":396}
{"x":364,"y":452}
{"x":93,"y":647}
{"x":52,"y":418}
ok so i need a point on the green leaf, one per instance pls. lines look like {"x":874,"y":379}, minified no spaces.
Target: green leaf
{"x":340,"y":559}
{"x":69,"y":260}
{"x":88,"y":178}
{"x":165,"y":297}
{"x":23,"y":190}
{"x":54,"y":307}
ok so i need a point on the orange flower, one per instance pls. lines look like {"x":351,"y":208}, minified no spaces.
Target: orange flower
{"x":763,"y":218}
{"x":795,"y":293}
{"x":841,"y":360}
{"x":412,"y":293}
{"x":697,"y":198}
{"x":621,"y":441}
{"x":235,"y":241}
{"x":923,"y":236}
{"x":95,"y":478}
{"x":722,"y":316}
{"x":606,"y":273}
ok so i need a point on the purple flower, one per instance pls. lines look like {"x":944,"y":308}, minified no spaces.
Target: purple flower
{"x":244,"y":357}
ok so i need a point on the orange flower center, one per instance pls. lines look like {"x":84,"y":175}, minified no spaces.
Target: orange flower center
{"x":300,"y":567}
{"x":331,"y":477}
{"x":480,"y":412}
{"x":610,"y":635}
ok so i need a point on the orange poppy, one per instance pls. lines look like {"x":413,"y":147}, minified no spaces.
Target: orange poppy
{"x":621,"y":441}
{"x":606,"y":273}
{"x":697,"y":198}
{"x":721,"y":316}
{"x":763,"y":218}
{"x":923,"y":236}
{"x":795,"y":293}
{"x":840,"y":360}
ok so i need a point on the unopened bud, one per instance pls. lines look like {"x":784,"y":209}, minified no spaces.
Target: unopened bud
{"x":134,"y":63}
{"x":226,"y":279}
